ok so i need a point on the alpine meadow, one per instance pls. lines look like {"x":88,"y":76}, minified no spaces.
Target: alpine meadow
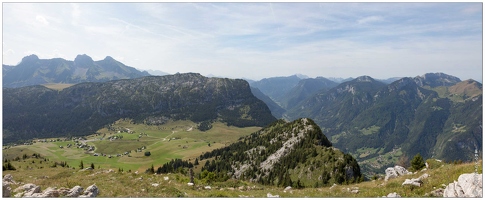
{"x":242,"y":100}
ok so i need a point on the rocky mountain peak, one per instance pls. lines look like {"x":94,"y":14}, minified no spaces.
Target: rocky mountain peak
{"x":436,"y":79}
{"x":30,"y":58}
{"x":364,"y":79}
{"x":109,"y":58}
{"x":83,"y":60}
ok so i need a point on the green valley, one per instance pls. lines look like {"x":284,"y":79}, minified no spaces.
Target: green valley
{"x":175,"y":139}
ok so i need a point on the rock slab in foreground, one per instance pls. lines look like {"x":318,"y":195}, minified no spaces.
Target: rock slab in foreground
{"x":468,"y":185}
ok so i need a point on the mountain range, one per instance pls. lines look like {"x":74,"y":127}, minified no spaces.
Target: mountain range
{"x":377,"y":121}
{"x":34,"y":71}
{"x":436,"y":115}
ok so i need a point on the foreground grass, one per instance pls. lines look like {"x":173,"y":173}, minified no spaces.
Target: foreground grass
{"x":129,"y":184}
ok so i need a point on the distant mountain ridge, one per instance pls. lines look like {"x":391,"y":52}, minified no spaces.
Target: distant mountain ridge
{"x":424,"y":114}
{"x":34,"y":71}
{"x":39,"y":112}
{"x":435,"y":114}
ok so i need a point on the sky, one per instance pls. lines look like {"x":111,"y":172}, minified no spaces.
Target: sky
{"x":255,"y":40}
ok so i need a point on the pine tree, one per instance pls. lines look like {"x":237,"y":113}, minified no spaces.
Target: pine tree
{"x":417,"y":163}
{"x":92,"y":165}
{"x":81,"y":165}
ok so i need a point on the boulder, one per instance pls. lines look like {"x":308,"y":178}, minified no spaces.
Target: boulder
{"x":207,"y":187}
{"x":51,"y":192}
{"x":287,"y":188}
{"x":468,"y":185}
{"x":155,"y":184}
{"x":424,"y":176}
{"x":453,"y":190}
{"x":269,"y":195}
{"x":165,"y":178}
{"x":25,"y":188}
{"x":401,"y":170}
{"x":75,"y":191}
{"x":91,"y":191}
{"x":8,"y":179}
{"x":63,"y":191}
{"x":33,"y":191}
{"x":413,"y":181}
{"x":393,"y":172}
{"x":190,"y":184}
{"x":6,"y":190}
{"x":393,"y":195}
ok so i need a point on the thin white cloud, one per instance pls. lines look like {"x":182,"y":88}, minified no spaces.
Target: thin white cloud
{"x":370,"y":19}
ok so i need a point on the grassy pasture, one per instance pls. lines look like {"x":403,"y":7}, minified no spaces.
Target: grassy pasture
{"x":176,"y":139}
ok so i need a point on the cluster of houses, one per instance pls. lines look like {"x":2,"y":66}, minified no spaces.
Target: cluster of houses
{"x":80,"y":145}
{"x":111,"y":156}
{"x":115,"y":137}
{"x":126,"y":153}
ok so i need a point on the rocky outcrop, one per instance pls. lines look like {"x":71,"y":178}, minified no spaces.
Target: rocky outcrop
{"x":269,"y":195}
{"x":91,"y":191}
{"x":393,"y":195}
{"x":468,"y":185}
{"x":393,"y":172}
{"x":7,"y":181}
{"x":30,"y":190}
{"x":75,"y":191}
{"x":416,"y":181}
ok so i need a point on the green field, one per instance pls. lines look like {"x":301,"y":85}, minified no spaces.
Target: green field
{"x":371,"y":130}
{"x":177,"y":139}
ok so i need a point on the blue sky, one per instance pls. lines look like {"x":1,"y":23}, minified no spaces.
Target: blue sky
{"x":255,"y":40}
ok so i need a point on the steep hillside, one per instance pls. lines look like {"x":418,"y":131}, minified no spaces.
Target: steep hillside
{"x":37,"y":112}
{"x":34,"y":71}
{"x":339,"y":105}
{"x":276,"y":110}
{"x":435,"y":115}
{"x":284,"y":153}
{"x":276,"y":87}
{"x":304,"y":89}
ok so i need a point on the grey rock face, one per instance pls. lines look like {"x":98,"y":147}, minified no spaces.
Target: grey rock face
{"x":91,"y":191}
{"x":413,"y":181}
{"x":75,"y":191}
{"x":393,"y":172}
{"x":468,"y":185}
